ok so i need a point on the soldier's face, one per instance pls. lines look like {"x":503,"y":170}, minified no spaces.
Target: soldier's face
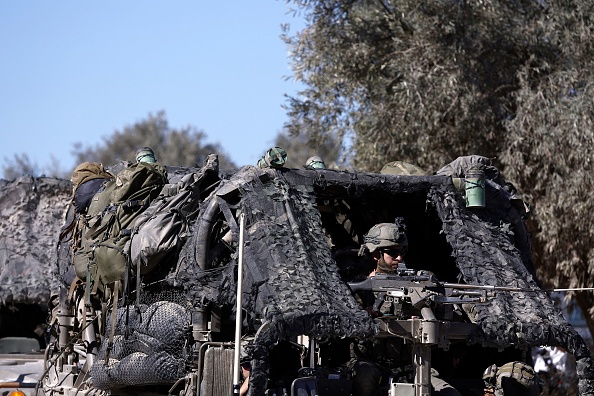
{"x":393,"y":256}
{"x":389,"y":258}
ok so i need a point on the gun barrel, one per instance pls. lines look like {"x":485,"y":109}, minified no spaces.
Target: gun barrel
{"x":489,"y":287}
{"x":382,"y":283}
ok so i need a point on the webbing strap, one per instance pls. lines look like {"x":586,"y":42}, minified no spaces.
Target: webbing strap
{"x":92,"y":279}
{"x":84,"y":320}
{"x":138,"y":283}
{"x":73,"y":287}
{"x":114,"y":317}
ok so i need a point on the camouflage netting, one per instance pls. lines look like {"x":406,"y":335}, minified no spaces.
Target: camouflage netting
{"x":292,"y":281}
{"x":32,"y":212}
{"x":518,"y":318}
{"x":531,"y":319}
{"x":148,"y":347}
{"x":292,"y":284}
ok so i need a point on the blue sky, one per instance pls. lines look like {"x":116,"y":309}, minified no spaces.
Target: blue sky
{"x":75,"y":71}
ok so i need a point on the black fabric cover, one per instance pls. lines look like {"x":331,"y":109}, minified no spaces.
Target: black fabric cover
{"x":85,"y":192}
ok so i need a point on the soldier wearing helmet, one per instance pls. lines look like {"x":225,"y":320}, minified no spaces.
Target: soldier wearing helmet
{"x":375,"y":360}
{"x":387,"y":243}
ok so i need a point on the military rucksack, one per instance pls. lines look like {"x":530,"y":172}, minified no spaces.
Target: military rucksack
{"x":88,"y":171}
{"x":164,"y":226}
{"x":104,"y":249}
{"x":87,"y":179}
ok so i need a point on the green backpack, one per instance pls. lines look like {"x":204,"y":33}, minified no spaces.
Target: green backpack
{"x":87,"y":178}
{"x":103,"y":257}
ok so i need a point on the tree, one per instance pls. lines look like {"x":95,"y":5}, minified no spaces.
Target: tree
{"x":181,"y":147}
{"x":549,"y":151}
{"x":427,"y":82}
{"x":398,"y":87}
{"x":21,"y":164}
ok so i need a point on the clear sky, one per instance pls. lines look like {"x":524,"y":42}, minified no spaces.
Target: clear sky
{"x":75,"y":71}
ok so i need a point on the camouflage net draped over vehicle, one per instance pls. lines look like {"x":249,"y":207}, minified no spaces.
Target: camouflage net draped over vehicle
{"x":517,"y":318}
{"x":485,"y":255}
{"x":32,"y":211}
{"x":291,"y":281}
{"x":148,"y":347}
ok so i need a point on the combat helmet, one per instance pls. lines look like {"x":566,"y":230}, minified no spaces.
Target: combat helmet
{"x":273,"y":158}
{"x":315,"y":162}
{"x":146,"y":154}
{"x":513,"y":378}
{"x":385,"y":235}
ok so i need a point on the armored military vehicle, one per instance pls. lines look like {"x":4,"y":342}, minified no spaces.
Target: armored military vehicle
{"x":259,"y":268}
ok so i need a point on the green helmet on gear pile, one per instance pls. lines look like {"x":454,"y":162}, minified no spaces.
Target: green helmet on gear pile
{"x":273,"y":158}
{"x":385,"y":235}
{"x":315,"y":162}
{"x":146,"y":154}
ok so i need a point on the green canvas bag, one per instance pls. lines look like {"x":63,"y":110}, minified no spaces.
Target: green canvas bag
{"x":104,"y":254}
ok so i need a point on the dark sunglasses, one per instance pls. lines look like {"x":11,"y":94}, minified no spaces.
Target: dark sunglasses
{"x":394,"y":252}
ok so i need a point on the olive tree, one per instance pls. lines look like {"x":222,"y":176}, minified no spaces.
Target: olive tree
{"x":181,"y":147}
{"x":426,"y":82}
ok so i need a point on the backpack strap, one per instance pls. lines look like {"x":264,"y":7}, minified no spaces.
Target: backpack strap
{"x":75,"y":282}
{"x":114,"y":318}
{"x":95,"y":275}
{"x":65,"y":231}
{"x":138,"y":267}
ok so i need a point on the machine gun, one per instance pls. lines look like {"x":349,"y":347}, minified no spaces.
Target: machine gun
{"x":423,"y":292}
{"x":421,"y":288}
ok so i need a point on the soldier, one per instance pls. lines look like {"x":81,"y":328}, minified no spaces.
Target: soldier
{"x":377,"y":360}
{"x":387,"y":243}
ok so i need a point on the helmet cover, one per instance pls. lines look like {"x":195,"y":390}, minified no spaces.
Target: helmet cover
{"x":273,"y":158}
{"x":315,"y":162}
{"x":385,"y":235}
{"x":145,"y":154}
{"x":512,"y":378}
